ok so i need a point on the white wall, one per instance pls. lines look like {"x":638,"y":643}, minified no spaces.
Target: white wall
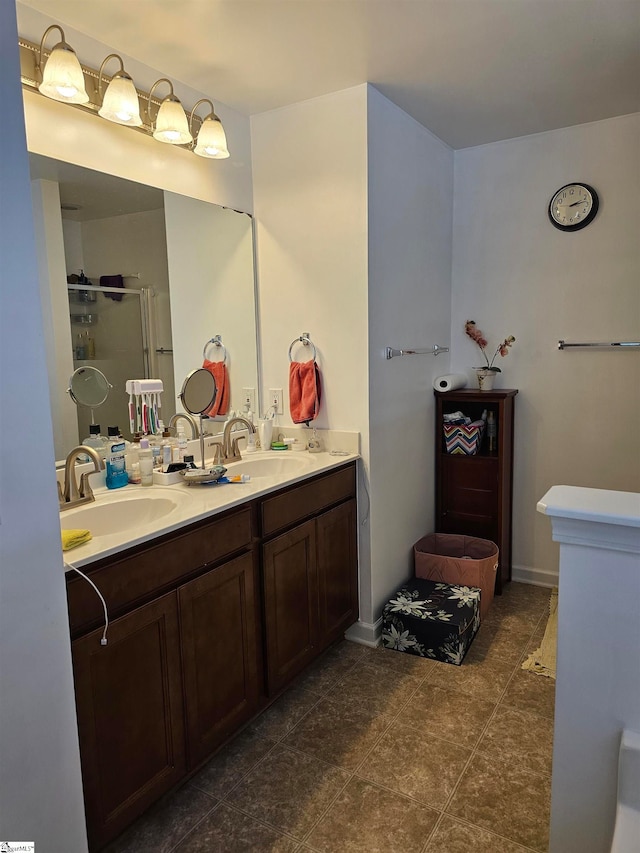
{"x":410,"y":217}
{"x":40,"y":784}
{"x":514,"y":273}
{"x":353,"y":210}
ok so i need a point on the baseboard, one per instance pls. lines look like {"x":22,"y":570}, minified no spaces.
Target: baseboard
{"x":365,"y":633}
{"x":536,"y":577}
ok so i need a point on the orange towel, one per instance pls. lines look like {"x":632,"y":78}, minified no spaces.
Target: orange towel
{"x":221,"y":375}
{"x":304,"y":391}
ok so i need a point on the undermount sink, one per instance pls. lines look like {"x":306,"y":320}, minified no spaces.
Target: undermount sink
{"x":114,"y":512}
{"x":273,"y":464}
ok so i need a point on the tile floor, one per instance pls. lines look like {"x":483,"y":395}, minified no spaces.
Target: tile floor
{"x":374,"y":750}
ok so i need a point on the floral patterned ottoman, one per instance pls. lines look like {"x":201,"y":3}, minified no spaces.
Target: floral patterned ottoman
{"x":432,"y":620}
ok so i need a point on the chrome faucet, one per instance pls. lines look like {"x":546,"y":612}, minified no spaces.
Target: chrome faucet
{"x":72,"y":494}
{"x":230,"y":449}
{"x":195,"y":432}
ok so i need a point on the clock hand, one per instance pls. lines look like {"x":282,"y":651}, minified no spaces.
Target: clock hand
{"x":582,"y":201}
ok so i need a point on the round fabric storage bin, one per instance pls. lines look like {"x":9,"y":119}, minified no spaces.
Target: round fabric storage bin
{"x":460,"y":560}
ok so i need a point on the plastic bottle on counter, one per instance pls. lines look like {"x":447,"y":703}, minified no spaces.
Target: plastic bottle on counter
{"x":166,"y":449}
{"x":182,"y":445}
{"x":491,"y":432}
{"x":145,"y":455}
{"x":133,"y":459}
{"x":116,"y":469}
{"x":96,"y":440}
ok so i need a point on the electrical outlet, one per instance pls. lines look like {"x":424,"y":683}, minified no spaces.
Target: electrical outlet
{"x":275,"y":399}
{"x":249,"y":396}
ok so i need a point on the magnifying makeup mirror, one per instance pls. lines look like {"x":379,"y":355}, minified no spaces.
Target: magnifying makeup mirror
{"x":89,"y":387}
{"x":198,"y":394}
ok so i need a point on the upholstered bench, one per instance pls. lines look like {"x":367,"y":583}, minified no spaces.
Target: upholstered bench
{"x":432,"y":620}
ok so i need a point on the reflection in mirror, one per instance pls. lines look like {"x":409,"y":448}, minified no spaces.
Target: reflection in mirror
{"x":198,"y":394}
{"x":89,"y":387}
{"x":192,"y":261}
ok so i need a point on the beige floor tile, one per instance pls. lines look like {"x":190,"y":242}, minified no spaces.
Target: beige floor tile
{"x":415,"y":764}
{"x":169,"y":820}
{"x":512,"y":619}
{"x":530,"y":692}
{"x":322,"y":676}
{"x":369,"y":819}
{"x":389,"y":659}
{"x":447,"y":714}
{"x":382,"y":691}
{"x":338,"y":734}
{"x":285,"y":713}
{"x":228,"y":831}
{"x":288,"y":790}
{"x":452,"y":836}
{"x":499,"y":796}
{"x":493,"y":641}
{"x":232,"y":762}
{"x":482,"y":679}
{"x":526,"y":739}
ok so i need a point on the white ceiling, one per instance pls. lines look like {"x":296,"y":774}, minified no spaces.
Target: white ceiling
{"x":472,"y":71}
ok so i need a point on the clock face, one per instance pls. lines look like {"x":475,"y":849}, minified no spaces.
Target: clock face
{"x":573,"y":207}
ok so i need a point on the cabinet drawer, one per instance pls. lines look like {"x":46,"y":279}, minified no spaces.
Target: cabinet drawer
{"x":152,"y":570}
{"x":307,"y":499}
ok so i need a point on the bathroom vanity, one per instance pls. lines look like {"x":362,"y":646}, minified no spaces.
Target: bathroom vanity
{"x":210,"y":622}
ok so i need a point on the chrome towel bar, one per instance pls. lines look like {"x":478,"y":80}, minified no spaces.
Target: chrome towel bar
{"x":566,"y":344}
{"x":434,"y":350}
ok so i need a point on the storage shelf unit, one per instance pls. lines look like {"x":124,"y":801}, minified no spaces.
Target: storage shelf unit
{"x":474,"y":493}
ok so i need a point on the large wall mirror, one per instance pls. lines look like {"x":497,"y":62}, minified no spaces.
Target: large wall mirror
{"x":138,"y":283}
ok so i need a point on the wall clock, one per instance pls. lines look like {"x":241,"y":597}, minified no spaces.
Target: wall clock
{"x":573,"y":207}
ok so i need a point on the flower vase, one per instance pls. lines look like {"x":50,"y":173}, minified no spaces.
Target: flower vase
{"x":485,"y":378}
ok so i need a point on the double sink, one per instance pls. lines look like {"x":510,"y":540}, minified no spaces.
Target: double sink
{"x":138,"y":509}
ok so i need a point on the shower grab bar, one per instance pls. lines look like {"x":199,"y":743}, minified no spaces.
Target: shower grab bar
{"x":623,"y":344}
{"x":434,"y":350}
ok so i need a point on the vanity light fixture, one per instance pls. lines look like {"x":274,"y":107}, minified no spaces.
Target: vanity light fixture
{"x":211,"y":141}
{"x":62,"y":78}
{"x":58,"y":74}
{"x":120,"y":101}
{"x":171,"y":123}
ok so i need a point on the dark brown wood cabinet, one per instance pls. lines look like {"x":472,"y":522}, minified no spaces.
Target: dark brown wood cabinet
{"x":218,"y":632}
{"x":130,"y":716}
{"x":290,"y":603}
{"x":208,"y":624}
{"x":474,"y":493}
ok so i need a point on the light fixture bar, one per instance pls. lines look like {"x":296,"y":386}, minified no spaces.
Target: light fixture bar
{"x":30,"y":79}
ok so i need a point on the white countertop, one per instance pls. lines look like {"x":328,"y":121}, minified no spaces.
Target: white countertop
{"x":193,"y":503}
{"x":599,"y":505}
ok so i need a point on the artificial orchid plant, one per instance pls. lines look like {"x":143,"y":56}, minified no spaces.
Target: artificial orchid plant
{"x":476,"y":335}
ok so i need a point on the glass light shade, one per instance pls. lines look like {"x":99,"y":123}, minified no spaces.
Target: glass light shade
{"x":62,"y":78}
{"x":171,"y":123}
{"x":120,"y":103}
{"x":212,"y":141}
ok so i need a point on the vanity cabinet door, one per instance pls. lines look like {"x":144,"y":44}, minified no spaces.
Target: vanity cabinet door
{"x":218,"y":619}
{"x":291,"y":603}
{"x":337,"y":571}
{"x":130,"y":715}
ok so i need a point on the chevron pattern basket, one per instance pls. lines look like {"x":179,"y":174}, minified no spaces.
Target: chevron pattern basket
{"x":463,"y":438}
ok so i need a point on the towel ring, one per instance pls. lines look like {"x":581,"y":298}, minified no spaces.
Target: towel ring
{"x":217,"y":342}
{"x":306,"y":340}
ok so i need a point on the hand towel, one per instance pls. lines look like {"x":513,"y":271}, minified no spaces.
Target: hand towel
{"x":73,"y":538}
{"x":112,"y":281}
{"x":220,"y":373}
{"x":304,"y":391}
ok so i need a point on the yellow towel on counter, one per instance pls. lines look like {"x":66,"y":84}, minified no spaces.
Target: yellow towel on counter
{"x":73,"y":538}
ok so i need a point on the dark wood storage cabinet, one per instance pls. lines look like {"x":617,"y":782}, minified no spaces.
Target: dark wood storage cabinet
{"x":208,"y":625}
{"x":474,"y":493}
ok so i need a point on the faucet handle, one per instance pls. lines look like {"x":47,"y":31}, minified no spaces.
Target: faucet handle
{"x":218,"y":454}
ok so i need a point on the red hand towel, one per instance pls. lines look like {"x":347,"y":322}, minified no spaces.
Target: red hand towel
{"x":304,"y":391}
{"x":220,"y":374}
